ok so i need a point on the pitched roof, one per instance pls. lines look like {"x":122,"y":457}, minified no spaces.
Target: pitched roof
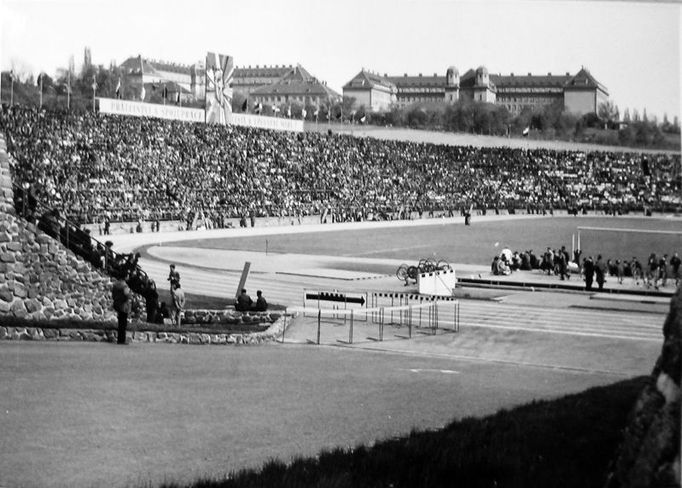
{"x":152,"y":67}
{"x":406,"y":81}
{"x":262,"y":71}
{"x":367,"y":79}
{"x":583,"y":79}
{"x":510,"y":81}
{"x":468,"y":80}
{"x":297,"y":82}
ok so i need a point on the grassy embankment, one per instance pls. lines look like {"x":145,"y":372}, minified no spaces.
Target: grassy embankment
{"x":568,"y":442}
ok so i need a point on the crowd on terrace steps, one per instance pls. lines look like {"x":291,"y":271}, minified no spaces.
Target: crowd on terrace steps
{"x":97,"y":168}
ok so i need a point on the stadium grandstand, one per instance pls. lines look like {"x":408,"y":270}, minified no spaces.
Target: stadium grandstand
{"x":93,"y":167}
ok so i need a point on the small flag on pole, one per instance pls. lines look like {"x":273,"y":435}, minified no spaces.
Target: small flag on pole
{"x":526,"y":131}
{"x":118,"y":88}
{"x":316,"y":112}
{"x":143,"y":92}
{"x":94,"y":83}
{"x":303,"y":113}
{"x":245,"y":105}
{"x":362,"y":119}
{"x":289,"y":111}
{"x":11,"y":75}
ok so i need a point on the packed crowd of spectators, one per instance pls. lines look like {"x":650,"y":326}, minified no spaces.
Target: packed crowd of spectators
{"x":103,"y":168}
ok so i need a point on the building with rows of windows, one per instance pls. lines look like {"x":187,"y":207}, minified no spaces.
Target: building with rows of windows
{"x":295,"y":86}
{"x":580,"y":93}
{"x":266,"y":84}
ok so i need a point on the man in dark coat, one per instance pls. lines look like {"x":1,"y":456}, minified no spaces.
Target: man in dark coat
{"x":600,"y":271}
{"x":121,"y":295}
{"x":588,"y":271}
{"x":261,"y":304}
{"x":173,"y":277}
{"x":244,"y":302}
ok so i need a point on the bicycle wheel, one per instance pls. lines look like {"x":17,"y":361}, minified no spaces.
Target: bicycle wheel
{"x":401,"y":273}
{"x":412,"y":273}
{"x":430,"y":266}
{"x":443,"y":265}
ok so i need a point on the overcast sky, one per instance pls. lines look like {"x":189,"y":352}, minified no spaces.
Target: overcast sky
{"x":632,"y":48}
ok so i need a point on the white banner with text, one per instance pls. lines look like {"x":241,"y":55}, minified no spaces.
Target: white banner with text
{"x":173,"y":112}
{"x":140,"y":109}
{"x":262,"y":122}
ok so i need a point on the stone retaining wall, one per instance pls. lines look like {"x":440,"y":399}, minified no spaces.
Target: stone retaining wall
{"x":97,"y":335}
{"x":649,"y":455}
{"x":230,"y":317}
{"x":39,"y":278}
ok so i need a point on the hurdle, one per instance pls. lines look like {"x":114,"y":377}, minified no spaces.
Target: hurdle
{"x":394,"y":301}
{"x":407,"y":310}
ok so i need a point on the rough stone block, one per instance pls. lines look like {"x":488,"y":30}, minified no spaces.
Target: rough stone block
{"x":6,"y":294}
{"x":37,"y":335}
{"x":6,"y":257}
{"x":18,"y":308}
{"x":20,"y":290}
{"x":51,"y":333}
{"x":60,"y":304}
{"x":32,"y":305}
{"x":218,"y":339}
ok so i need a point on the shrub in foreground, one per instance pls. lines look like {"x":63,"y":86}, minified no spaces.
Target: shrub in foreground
{"x":568,"y":442}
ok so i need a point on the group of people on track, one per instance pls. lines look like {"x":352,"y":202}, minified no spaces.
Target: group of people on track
{"x":655,"y":272}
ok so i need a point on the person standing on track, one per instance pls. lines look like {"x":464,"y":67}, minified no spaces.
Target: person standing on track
{"x":178,"y":296}
{"x":173,"y":277}
{"x":121,"y":295}
{"x":600,"y":272}
{"x":636,"y":268}
{"x":652,"y":271}
{"x":675,"y":267}
{"x":588,"y":272}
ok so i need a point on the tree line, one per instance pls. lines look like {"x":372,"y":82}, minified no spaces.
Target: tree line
{"x":544,"y":122}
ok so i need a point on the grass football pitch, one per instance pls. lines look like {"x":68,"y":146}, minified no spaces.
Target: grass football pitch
{"x":475,"y":244}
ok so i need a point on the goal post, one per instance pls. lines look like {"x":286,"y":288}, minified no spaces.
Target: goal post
{"x":626,"y":243}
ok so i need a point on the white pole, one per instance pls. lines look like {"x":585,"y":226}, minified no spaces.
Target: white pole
{"x":580,"y":248}
{"x":573,"y":244}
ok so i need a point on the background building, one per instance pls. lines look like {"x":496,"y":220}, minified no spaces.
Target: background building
{"x":296,"y":86}
{"x":374,"y":92}
{"x":580,"y":93}
{"x":187,"y":81}
{"x":248,"y":79}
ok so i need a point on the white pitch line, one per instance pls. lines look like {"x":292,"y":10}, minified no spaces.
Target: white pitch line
{"x":379,"y":251}
{"x":427,"y":370}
